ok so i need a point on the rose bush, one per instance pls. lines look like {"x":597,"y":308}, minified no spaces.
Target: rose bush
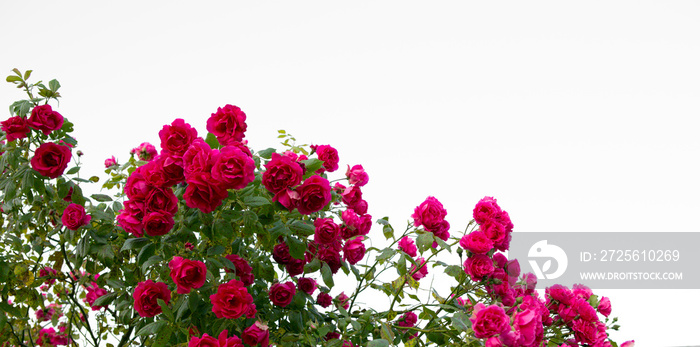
{"x":213,"y":243}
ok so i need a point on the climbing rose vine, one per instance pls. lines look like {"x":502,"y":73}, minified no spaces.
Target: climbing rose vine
{"x":205,"y":241}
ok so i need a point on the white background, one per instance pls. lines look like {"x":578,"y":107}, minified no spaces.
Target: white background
{"x":575,"y":116}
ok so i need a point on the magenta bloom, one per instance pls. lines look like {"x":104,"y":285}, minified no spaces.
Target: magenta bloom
{"x":146,"y":297}
{"x":227,"y":124}
{"x":231,"y":300}
{"x":489,"y":321}
{"x":407,"y":245}
{"x":187,"y":274}
{"x":74,"y":217}
{"x":15,"y":128}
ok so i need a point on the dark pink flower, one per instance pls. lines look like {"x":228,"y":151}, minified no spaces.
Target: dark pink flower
{"x":257,"y":334}
{"x":231,"y":300}
{"x":15,"y":128}
{"x":50,"y":159}
{"x":326,"y":231}
{"x":243,"y":269}
{"x":476,"y":242}
{"x":281,"y":294}
{"x":489,"y":321}
{"x":176,"y":138}
{"x":314,"y":194}
{"x":407,"y":245}
{"x":187,"y":274}
{"x":307,"y":285}
{"x":357,"y":175}
{"x":329,"y":155}
{"x":227,"y":124}
{"x":478,"y":266}
{"x":233,"y":168}
{"x":324,"y":300}
{"x":146,"y":297}
{"x":74,"y":217}
{"x":281,"y":173}
{"x":354,"y":250}
{"x":110,"y":162}
{"x":203,"y":193}
{"x":45,"y":119}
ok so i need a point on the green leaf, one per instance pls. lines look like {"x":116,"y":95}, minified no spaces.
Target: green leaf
{"x":313,"y":266}
{"x":212,"y":141}
{"x":386,"y":332}
{"x":105,"y":300}
{"x":302,"y":228}
{"x":152,"y":328}
{"x":297,"y":248}
{"x":312,"y":165}
{"x":163,"y":337}
{"x":166,"y":310}
{"x":73,"y":170}
{"x":27,"y":74}
{"x":443,"y":244}
{"x":255,"y":201}
{"x":327,"y":275}
{"x":151,"y":261}
{"x":454,"y":271}
{"x":266,"y":153}
{"x":378,"y":343}
{"x":461,"y":321}
{"x":424,"y":241}
{"x":54,"y":85}
{"x":101,"y":197}
{"x":134,"y":243}
{"x":12,"y":79}
{"x":216,"y":250}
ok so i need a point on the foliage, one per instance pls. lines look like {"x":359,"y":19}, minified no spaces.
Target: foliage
{"x":213,"y":243}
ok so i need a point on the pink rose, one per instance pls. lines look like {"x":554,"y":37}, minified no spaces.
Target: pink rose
{"x":176,"y":138}
{"x":281,"y":294}
{"x":157,"y":223}
{"x":357,"y":175}
{"x":326,"y":231}
{"x":110,"y":162}
{"x":137,"y":186}
{"x":94,"y":292}
{"x":582,"y":291}
{"x":329,"y":155}
{"x":324,"y":300}
{"x":161,"y":200}
{"x":343,"y":300}
{"x":233,"y":168}
{"x":45,"y":119}
{"x":74,"y":217}
{"x":604,"y":307}
{"x":307,"y":285}
{"x":15,"y":128}
{"x":50,"y":159}
{"x":243,"y":269}
{"x":233,"y":341}
{"x":227,"y":124}
{"x":489,"y":321}
{"x":352,"y":196}
{"x":296,"y":266}
{"x":315,"y":194}
{"x":478,"y":266}
{"x":281,"y":253}
{"x":146,"y":297}
{"x":408,"y":319}
{"x":354,"y":250}
{"x":281,"y":173}
{"x":257,"y":334}
{"x":485,"y":210}
{"x":585,"y":310}
{"x":203,"y":193}
{"x":145,"y":151}
{"x":231,"y":300}
{"x":187,"y":274}
{"x":50,"y":273}
{"x":198,"y":157}
{"x":204,"y":341}
{"x":628,"y":344}
{"x":419,"y":272}
{"x":585,"y":331}
{"x":493,"y":230}
{"x":476,"y":242}
{"x":429,"y":214}
{"x":407,"y":245}
{"x":560,"y":293}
